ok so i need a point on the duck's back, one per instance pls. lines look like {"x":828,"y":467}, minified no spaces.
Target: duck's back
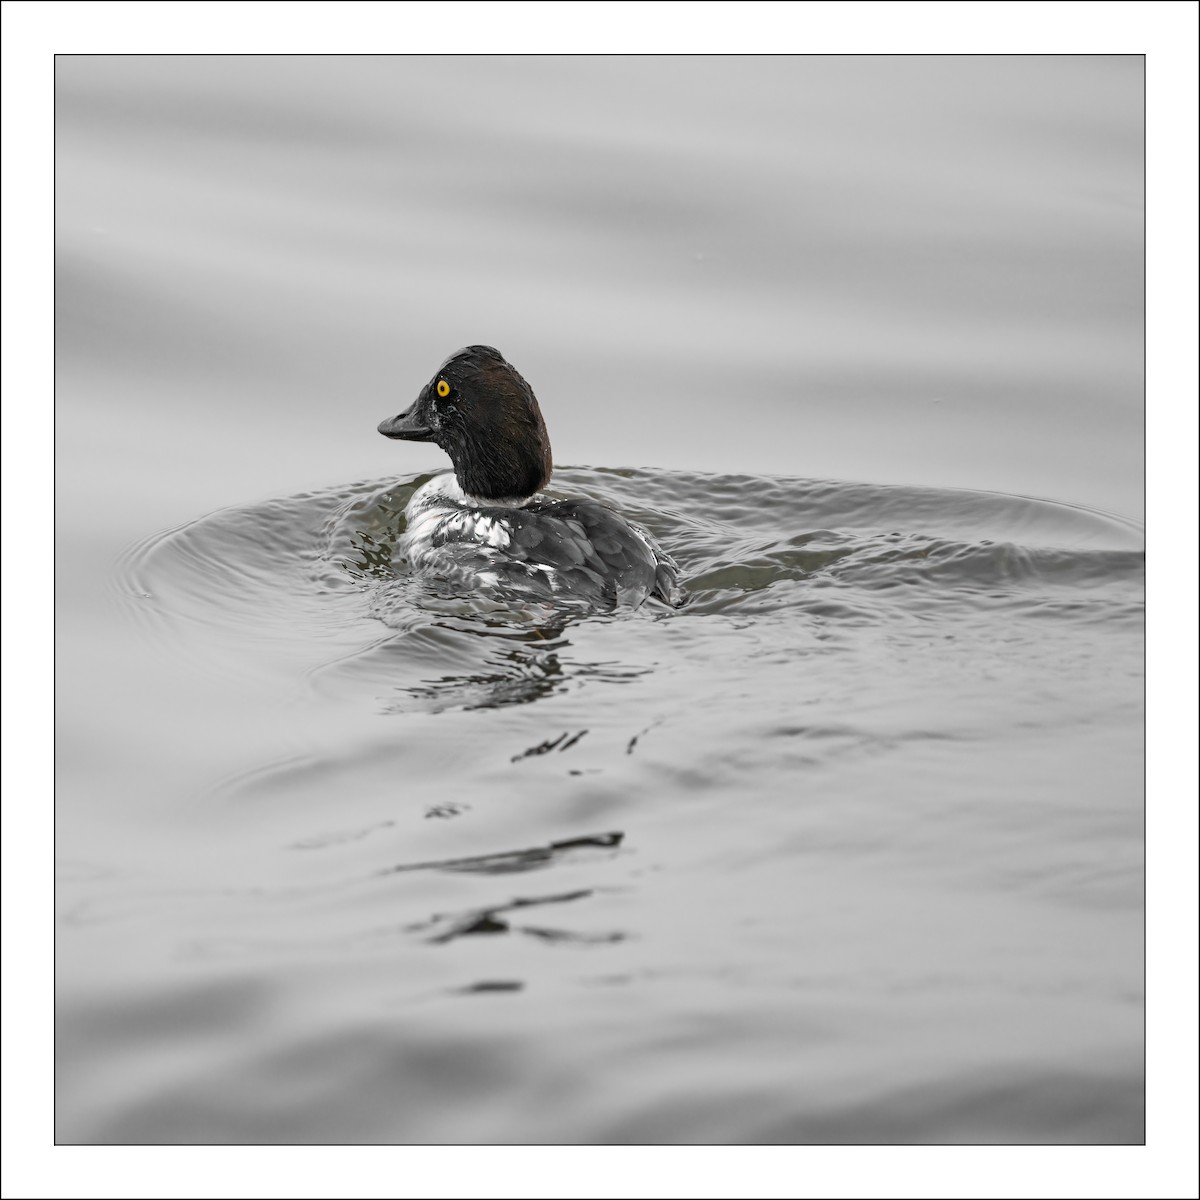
{"x":572,"y":550}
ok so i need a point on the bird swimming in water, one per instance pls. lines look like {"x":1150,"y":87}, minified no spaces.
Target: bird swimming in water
{"x":485,"y":525}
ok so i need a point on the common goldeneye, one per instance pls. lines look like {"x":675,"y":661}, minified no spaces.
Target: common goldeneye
{"x":484,"y":524}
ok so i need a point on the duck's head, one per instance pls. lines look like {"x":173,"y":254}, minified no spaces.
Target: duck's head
{"x":486,"y":417}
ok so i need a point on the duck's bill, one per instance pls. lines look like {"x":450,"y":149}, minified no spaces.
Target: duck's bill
{"x":407,"y":426}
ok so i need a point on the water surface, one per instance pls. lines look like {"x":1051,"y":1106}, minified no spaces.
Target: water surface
{"x":846,"y":849}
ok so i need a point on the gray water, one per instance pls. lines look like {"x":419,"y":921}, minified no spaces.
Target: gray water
{"x":849,"y":849}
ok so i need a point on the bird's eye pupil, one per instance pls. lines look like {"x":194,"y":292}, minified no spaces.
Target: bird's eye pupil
{"x":443,"y":388}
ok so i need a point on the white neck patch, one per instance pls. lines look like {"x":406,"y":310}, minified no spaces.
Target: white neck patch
{"x":447,"y":487}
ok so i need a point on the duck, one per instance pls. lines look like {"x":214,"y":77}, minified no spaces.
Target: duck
{"x":486,"y":524}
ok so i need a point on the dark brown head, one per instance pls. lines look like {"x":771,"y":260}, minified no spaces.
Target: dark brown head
{"x":486,"y":417}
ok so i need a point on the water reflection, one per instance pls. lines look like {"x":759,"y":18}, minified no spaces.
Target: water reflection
{"x":509,"y":862}
{"x":508,"y":663}
{"x":449,"y":927}
{"x":564,"y":741}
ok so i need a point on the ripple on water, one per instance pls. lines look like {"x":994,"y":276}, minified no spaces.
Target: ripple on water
{"x":735,"y":537}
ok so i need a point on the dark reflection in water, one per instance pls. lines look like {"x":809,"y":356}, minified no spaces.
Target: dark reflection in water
{"x":491,"y":985}
{"x":512,"y":666}
{"x":563,"y":742}
{"x":493,"y":920}
{"x":508,"y":862}
{"x":525,"y":674}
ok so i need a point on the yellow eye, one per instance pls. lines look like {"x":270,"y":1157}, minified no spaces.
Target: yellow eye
{"x":443,"y":388}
